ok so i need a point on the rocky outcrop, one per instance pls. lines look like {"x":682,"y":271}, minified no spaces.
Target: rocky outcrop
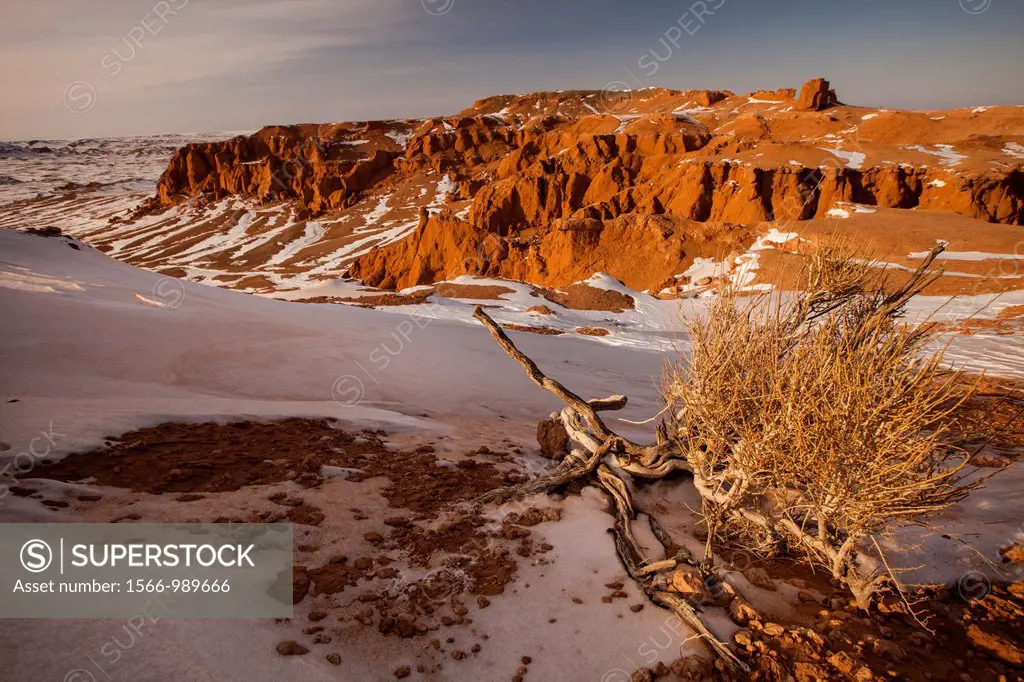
{"x":816,"y":95}
{"x":646,"y":249}
{"x":316,"y":167}
{"x":554,"y":186}
{"x":554,"y":227}
{"x":722,"y":192}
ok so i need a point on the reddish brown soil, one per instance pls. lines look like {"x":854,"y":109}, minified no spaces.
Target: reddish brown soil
{"x":210,"y":457}
{"x":371,"y":301}
{"x":446,"y":289}
{"x":472,"y":291}
{"x":467,"y":557}
{"x":546,"y":331}
{"x":583,"y":297}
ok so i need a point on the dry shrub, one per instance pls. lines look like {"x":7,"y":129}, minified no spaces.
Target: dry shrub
{"x":815,"y":420}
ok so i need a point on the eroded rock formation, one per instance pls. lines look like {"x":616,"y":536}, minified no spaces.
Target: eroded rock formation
{"x":551,"y":187}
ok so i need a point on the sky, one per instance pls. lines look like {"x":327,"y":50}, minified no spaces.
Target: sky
{"x":102,"y":68}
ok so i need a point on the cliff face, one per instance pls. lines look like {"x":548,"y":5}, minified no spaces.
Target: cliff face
{"x":551,"y":187}
{"x":646,"y":251}
{"x":713,"y":191}
{"x":317,"y":167}
{"x":643,"y":234}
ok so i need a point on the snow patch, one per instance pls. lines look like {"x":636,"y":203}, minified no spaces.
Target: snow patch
{"x":854,"y":160}
{"x":943,"y":151}
{"x":1014,"y":149}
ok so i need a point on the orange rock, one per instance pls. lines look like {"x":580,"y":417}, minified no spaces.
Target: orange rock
{"x":995,"y":645}
{"x":552,"y":438}
{"x":1013,"y":553}
{"x":816,"y":95}
{"x":688,"y":581}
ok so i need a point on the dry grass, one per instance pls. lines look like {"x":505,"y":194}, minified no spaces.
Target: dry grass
{"x":816,"y":421}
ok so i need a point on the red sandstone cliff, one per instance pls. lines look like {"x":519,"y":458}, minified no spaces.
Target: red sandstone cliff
{"x":559,"y":185}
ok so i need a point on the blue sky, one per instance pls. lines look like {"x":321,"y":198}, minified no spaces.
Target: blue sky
{"x":118,"y":67}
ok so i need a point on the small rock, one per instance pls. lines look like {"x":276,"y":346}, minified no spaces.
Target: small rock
{"x":888,"y":650}
{"x":806,"y":597}
{"x":842,"y":662}
{"x":1012,"y":554}
{"x":458,"y":655}
{"x":317,"y":616}
{"x":990,"y":461}
{"x":759,"y":578}
{"x":687,"y":581}
{"x":291,"y":648}
{"x":483,"y":602}
{"x":526,"y":660}
{"x":403,"y":672}
{"x":741,"y":611}
{"x":743,"y":638}
{"x":636,"y":608}
{"x":691,"y":668}
{"x":996,"y":645}
{"x":553,"y":439}
{"x":334,"y":659}
{"x":806,"y":671}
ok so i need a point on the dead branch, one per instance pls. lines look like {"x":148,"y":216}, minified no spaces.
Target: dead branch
{"x":585,"y":427}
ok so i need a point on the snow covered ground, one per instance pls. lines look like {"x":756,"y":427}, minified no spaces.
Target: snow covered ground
{"x":92,"y":347}
{"x":85,"y":357}
{"x":121,"y":164}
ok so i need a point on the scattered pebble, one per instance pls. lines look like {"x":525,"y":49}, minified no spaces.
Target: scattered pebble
{"x":291,"y":648}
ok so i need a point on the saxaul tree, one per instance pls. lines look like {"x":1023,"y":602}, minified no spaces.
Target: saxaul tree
{"x":809,"y":423}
